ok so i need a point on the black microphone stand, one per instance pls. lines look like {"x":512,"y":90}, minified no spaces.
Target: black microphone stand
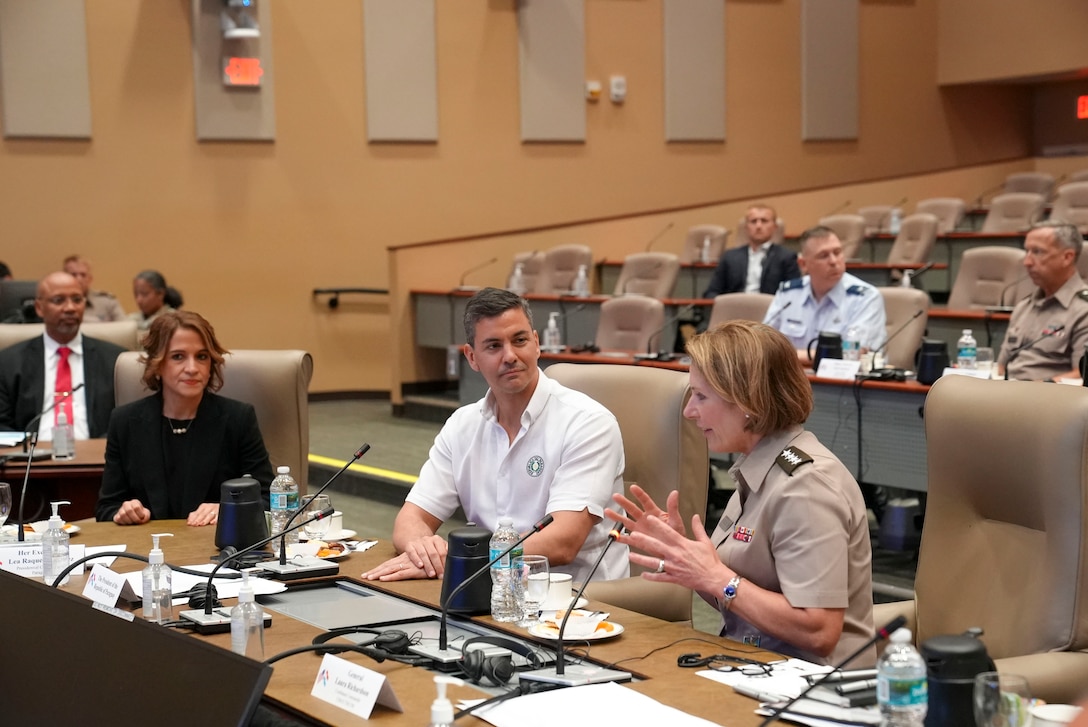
{"x":663,"y":354}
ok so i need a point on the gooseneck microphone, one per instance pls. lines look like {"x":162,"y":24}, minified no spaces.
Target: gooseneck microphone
{"x":444,"y":655}
{"x":580,"y":673}
{"x":1047,"y":333}
{"x":461,"y":285}
{"x":982,"y":195}
{"x":893,"y":625}
{"x":1002,"y":306}
{"x":209,"y":622}
{"x":30,"y":442}
{"x":915,"y":274}
{"x":777,"y":318}
{"x":663,"y":354}
{"x":899,"y":330}
{"x":657,"y":237}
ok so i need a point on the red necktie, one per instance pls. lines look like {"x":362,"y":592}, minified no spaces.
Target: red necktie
{"x":63,"y":388}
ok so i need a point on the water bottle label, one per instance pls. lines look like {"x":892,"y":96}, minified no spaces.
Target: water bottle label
{"x":502,"y":563}
{"x":902,"y":692}
{"x":278,"y":500}
{"x":292,"y":500}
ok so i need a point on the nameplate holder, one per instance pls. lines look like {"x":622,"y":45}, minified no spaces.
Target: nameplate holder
{"x":105,"y":586}
{"x":353,"y":688}
{"x":837,"y":368}
{"x":25,"y":559}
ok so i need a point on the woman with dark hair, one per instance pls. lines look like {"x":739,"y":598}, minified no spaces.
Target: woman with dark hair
{"x":153,"y":297}
{"x":168,"y":454}
{"x":790,"y":564}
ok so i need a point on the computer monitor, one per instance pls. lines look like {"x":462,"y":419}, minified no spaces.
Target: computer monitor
{"x":14,"y":294}
{"x":65,"y":662}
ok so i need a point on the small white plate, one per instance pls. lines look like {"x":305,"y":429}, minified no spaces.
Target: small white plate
{"x":331,"y":535}
{"x":605,"y":630}
{"x":309,"y":549}
{"x":41,"y":526}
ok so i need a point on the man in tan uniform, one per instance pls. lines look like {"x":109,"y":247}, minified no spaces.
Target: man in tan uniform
{"x":101,"y":306}
{"x":1049,"y":329}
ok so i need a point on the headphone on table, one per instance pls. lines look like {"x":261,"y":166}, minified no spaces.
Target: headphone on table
{"x":391,"y":644}
{"x":477,"y":667}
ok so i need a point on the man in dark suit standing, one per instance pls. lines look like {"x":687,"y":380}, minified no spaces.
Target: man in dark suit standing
{"x":44,"y":369}
{"x":758,"y":267}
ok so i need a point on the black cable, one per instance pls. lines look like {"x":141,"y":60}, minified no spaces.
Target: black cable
{"x":650,"y":653}
{"x":522,"y":689}
{"x":135,"y":556}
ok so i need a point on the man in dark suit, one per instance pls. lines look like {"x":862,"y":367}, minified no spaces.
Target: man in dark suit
{"x":28,"y":370}
{"x":758,"y":267}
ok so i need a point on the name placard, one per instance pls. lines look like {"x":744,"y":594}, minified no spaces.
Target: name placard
{"x":25,"y":559}
{"x":837,"y":368}
{"x":353,"y":688}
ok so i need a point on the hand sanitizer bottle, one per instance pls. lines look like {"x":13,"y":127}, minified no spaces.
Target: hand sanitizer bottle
{"x":247,"y":624}
{"x":55,"y":547}
{"x":581,"y":282}
{"x":441,"y":707}
{"x":553,"y":340}
{"x":158,"y":596}
{"x":64,"y":438}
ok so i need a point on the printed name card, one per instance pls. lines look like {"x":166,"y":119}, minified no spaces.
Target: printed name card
{"x":837,"y":368}
{"x":353,"y":688}
{"x":25,"y":559}
{"x":105,"y":587}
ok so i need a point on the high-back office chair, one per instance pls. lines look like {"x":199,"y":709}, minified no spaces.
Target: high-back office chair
{"x":276,"y":383}
{"x":850,"y":229}
{"x":914,"y":243}
{"x":1039,"y":183}
{"x":532,"y":269}
{"x":1071,"y":205}
{"x":1013,"y":212}
{"x":122,"y":333}
{"x":739,"y":306}
{"x":1079,"y":176}
{"x":878,"y":218}
{"x":741,"y":238}
{"x":629,"y":323}
{"x":648,"y":273}
{"x":561,"y":266}
{"x":988,"y":276}
{"x":900,"y":305}
{"x":1005,"y":541}
{"x":948,"y":210}
{"x":699,"y":235}
{"x":1082,"y":261}
{"x":663,"y":451}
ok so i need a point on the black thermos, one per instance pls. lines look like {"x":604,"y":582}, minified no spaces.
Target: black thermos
{"x":953,"y":661}
{"x":468,"y":552}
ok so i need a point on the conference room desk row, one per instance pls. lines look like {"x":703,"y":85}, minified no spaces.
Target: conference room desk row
{"x":293,"y":677}
{"x":891,"y":449}
{"x":76,"y":480}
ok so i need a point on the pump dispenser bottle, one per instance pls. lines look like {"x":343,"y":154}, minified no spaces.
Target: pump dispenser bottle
{"x":55,"y":547}
{"x":158,"y":595}
{"x":553,"y":339}
{"x":441,"y":707}
{"x":247,"y":624}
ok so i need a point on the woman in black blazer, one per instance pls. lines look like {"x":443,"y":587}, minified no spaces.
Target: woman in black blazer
{"x":168,"y":454}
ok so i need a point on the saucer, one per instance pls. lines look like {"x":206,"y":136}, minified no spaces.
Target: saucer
{"x":343,"y":534}
{"x":551,"y":606}
{"x":605,"y":630}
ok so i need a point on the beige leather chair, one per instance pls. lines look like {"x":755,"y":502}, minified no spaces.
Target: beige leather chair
{"x":663,"y":452}
{"x":276,"y":383}
{"x":914,"y":243}
{"x":1005,"y":542}
{"x":628,"y":324}
{"x":741,"y":238}
{"x":648,"y":273}
{"x":122,"y":333}
{"x":948,"y":210}
{"x":739,"y":306}
{"x":850,"y":229}
{"x":1071,"y":205}
{"x":698,"y":236}
{"x":532,"y":270}
{"x":561,"y":265}
{"x":988,"y":276}
{"x":1013,"y":212}
{"x":1081,"y":176}
{"x":1082,"y":261}
{"x":1039,"y":183}
{"x":878,"y":218}
{"x":900,"y":305}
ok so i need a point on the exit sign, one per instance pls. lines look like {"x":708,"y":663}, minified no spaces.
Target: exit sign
{"x":1082,"y":107}
{"x":244,"y":71}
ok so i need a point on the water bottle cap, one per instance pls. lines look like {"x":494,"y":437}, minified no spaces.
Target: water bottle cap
{"x":900,"y":636}
{"x":283,"y":470}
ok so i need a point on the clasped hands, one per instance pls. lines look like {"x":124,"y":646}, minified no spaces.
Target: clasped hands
{"x":133,"y":512}
{"x":422,"y":558}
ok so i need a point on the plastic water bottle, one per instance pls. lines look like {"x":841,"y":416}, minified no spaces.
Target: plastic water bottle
{"x":64,"y":438}
{"x":284,"y":500}
{"x":158,"y":596}
{"x":581,"y":282}
{"x":55,"y":547}
{"x":966,"y":350}
{"x":902,"y":689}
{"x":504,"y":603}
{"x":247,"y":624}
{"x":895,"y":223}
{"x":517,"y":280}
{"x":704,"y":251}
{"x":851,"y":345}
{"x":553,"y":339}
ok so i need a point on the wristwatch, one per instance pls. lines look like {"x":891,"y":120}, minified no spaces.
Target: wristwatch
{"x":730,"y":590}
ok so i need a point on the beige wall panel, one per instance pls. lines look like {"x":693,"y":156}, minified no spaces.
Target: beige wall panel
{"x":829,"y":69}
{"x":551,"y":55}
{"x":44,"y":87}
{"x":694,"y":32}
{"x":401,"y":72}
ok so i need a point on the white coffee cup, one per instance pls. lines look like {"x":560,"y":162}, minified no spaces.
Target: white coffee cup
{"x":336,"y":522}
{"x":1053,"y":715}
{"x":559,"y":593}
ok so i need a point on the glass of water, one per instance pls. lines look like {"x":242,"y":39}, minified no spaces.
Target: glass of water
{"x":1002,"y":700}
{"x":5,"y":502}
{"x":532,"y":581}
{"x":984,"y":360}
{"x":310,"y":507}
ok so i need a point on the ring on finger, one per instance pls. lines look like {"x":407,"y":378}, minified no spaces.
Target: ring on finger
{"x":660,"y":566}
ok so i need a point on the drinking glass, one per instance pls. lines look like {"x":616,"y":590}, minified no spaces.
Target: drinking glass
{"x":531,"y":584}
{"x":984,"y":359}
{"x":1002,"y":700}
{"x":5,"y":502}
{"x":310,"y":506}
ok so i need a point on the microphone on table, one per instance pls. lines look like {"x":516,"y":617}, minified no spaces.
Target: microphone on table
{"x":663,"y":354}
{"x":896,"y":623}
{"x":443,"y":654}
{"x":978,"y":200}
{"x":208,"y":621}
{"x":30,"y":442}
{"x":915,"y":274}
{"x":657,"y":237}
{"x":838,"y":209}
{"x":562,"y":317}
{"x":579,"y":673}
{"x":1047,"y":333}
{"x":308,"y":567}
{"x":876,"y":373}
{"x":461,"y":285}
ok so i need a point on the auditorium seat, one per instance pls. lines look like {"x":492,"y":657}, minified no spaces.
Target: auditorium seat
{"x":988,"y":276}
{"x":1005,"y":541}
{"x":561,"y":266}
{"x":850,"y":229}
{"x":1081,"y":176}
{"x":1071,"y":205}
{"x":532,"y":270}
{"x":914,"y":243}
{"x":648,"y":273}
{"x":949,"y":211}
{"x":1040,"y":183}
{"x":1014,"y":212}
{"x":900,"y":306}
{"x":739,"y":306}
{"x":276,"y":383}
{"x":878,"y":218}
{"x":663,"y":451}
{"x":628,"y":323}
{"x":698,"y":236}
{"x":122,"y":333}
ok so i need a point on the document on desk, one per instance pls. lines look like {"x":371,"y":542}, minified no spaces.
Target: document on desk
{"x":10,"y":439}
{"x":226,"y":588}
{"x":624,"y":706}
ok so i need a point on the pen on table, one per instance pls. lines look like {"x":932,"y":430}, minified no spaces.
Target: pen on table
{"x":842,"y":676}
{"x":757,"y":694}
{"x":861,"y":685}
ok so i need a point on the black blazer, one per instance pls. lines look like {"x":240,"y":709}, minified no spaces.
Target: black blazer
{"x":225,"y":442}
{"x":22,"y":383}
{"x":731,"y":275}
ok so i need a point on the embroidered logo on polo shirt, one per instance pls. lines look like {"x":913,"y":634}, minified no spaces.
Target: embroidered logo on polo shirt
{"x":743,"y":534}
{"x":535,"y":466}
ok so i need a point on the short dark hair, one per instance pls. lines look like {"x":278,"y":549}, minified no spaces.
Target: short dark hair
{"x":171,"y":296}
{"x":489,"y":303}
{"x":157,"y":342}
{"x":818,"y":232}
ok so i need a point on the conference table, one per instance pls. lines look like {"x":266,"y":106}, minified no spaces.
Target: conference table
{"x":648,"y":648}
{"x":76,"y":480}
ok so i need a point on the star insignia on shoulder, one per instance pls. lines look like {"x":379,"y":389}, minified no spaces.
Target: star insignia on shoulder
{"x":857,"y":290}
{"x":791,"y":458}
